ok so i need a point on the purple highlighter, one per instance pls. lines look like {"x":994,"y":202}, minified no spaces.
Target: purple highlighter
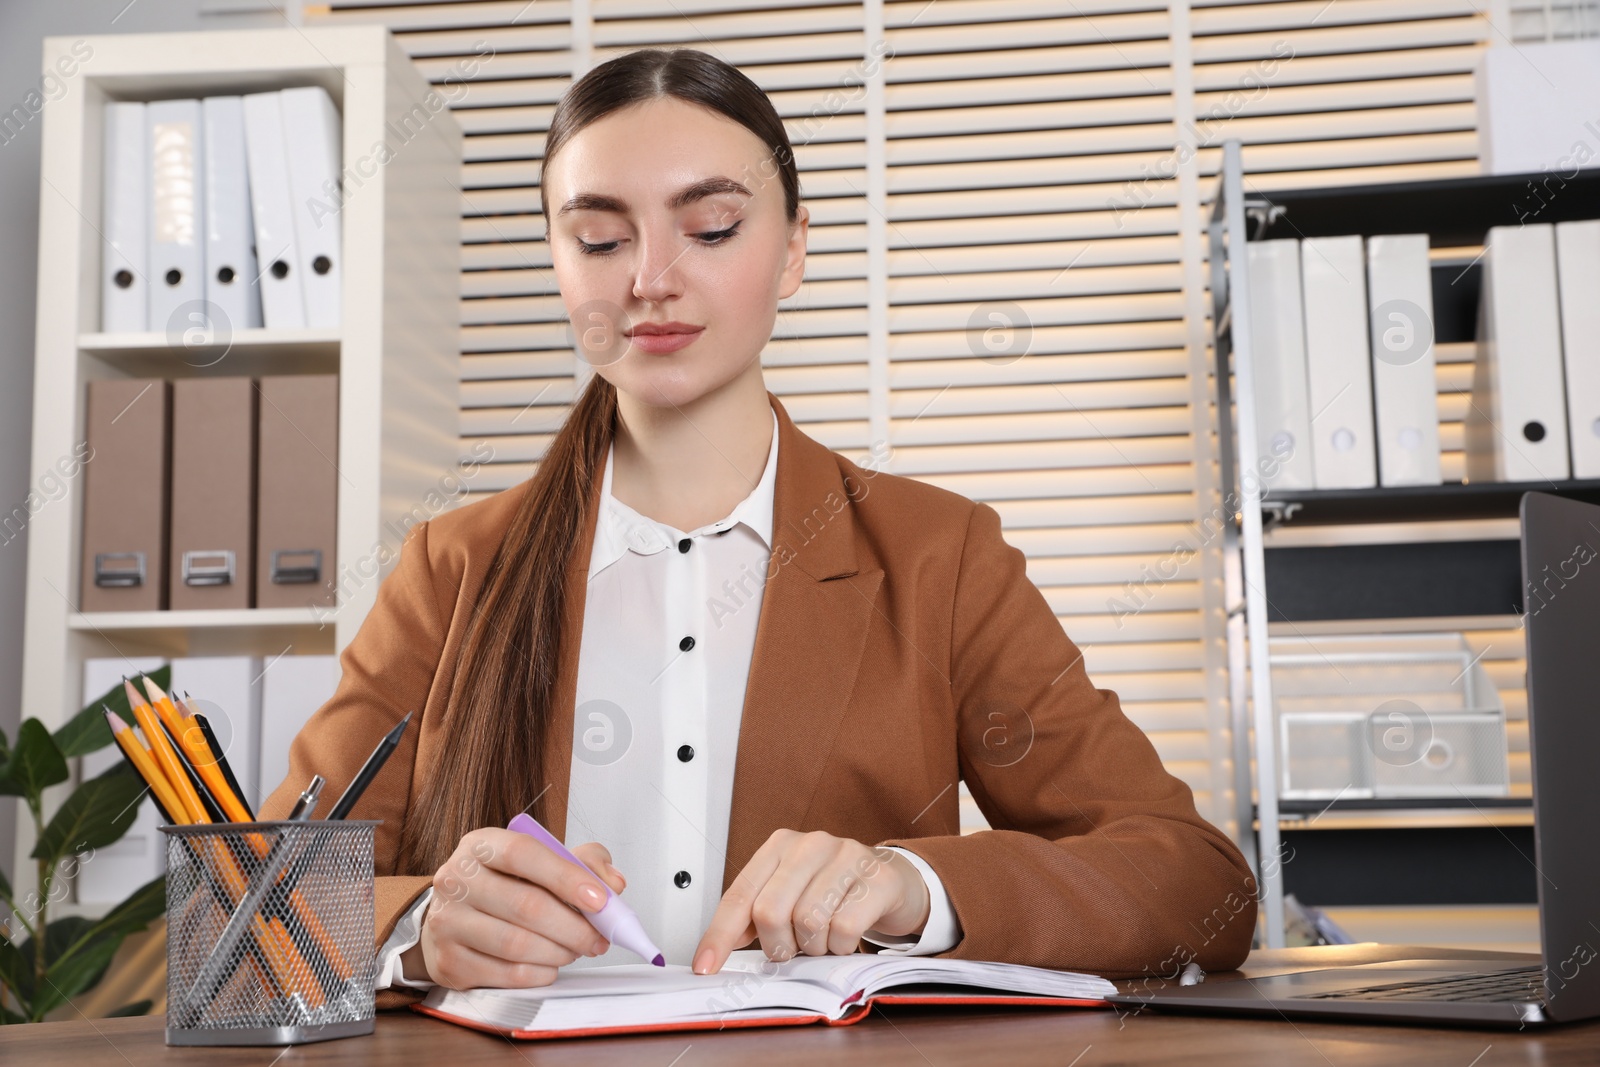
{"x":616,"y":922}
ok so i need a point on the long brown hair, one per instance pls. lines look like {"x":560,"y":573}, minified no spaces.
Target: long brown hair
{"x":505,"y":674}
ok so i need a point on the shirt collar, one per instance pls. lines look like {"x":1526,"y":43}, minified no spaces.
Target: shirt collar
{"x":620,"y":529}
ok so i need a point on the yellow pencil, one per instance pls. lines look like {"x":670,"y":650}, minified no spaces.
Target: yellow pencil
{"x":165,"y":755}
{"x":145,"y":764}
{"x":204,"y":762}
{"x":164,"y":706}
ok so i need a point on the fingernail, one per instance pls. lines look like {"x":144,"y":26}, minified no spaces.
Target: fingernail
{"x":702,"y":962}
{"x":598,"y":948}
{"x":592,"y":896}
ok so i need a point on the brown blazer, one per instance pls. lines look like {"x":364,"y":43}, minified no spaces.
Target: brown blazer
{"x":901,"y":648}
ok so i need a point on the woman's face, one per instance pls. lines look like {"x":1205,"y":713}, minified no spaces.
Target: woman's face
{"x":668,"y":212}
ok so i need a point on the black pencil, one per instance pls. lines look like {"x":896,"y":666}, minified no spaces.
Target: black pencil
{"x":213,"y":808}
{"x":222,"y":761}
{"x":369,"y":770}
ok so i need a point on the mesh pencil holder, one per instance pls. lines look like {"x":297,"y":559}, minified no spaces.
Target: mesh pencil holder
{"x":269,"y":932}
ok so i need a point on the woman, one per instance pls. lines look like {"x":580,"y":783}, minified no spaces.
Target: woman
{"x":745,"y":669}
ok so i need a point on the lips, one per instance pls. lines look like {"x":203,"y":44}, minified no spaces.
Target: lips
{"x":663,"y":338}
{"x":661,"y":329}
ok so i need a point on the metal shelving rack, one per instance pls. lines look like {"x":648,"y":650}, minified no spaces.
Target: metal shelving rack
{"x":1453,"y":212}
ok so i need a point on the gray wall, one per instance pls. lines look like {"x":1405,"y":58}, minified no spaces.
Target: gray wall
{"x":23,"y":26}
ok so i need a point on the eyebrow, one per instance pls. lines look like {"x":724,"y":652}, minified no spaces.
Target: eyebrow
{"x":682,"y":198}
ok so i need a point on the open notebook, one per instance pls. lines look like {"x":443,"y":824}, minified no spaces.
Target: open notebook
{"x":751,"y":990}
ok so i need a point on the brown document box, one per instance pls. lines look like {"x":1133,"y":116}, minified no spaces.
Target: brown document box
{"x":299,"y":491}
{"x":212,"y":564}
{"x":125,"y":496}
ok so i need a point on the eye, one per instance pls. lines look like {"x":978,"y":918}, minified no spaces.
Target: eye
{"x":722,"y":236}
{"x":712,"y":239}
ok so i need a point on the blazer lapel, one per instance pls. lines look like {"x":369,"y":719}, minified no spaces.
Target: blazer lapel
{"x":813,"y":625}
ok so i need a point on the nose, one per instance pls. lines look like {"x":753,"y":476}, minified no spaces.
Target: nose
{"x":657,"y":277}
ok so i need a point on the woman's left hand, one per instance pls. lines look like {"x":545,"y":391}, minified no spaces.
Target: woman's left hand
{"x":815,"y":894}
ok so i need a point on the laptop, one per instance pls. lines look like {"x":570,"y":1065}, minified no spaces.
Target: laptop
{"x":1561,"y":580}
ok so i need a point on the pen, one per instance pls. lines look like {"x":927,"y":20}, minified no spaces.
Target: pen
{"x":369,"y":770}
{"x":616,"y":922}
{"x":308,"y":800}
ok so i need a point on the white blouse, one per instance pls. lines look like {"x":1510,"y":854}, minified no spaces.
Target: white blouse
{"x":669,"y":628}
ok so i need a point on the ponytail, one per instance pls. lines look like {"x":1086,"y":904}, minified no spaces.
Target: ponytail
{"x":505,"y":678}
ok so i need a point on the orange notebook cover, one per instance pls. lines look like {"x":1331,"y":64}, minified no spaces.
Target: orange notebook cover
{"x":751,"y":991}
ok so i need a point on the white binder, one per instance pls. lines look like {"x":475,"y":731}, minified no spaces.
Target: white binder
{"x":175,"y":225}
{"x":282,"y":300}
{"x":1516,"y":425}
{"x":1338,"y":362}
{"x":141,"y":854}
{"x":124,"y":291}
{"x":1278,"y":344}
{"x":231,"y":286}
{"x":293,"y":688}
{"x":1578,"y":275}
{"x":311,"y":129}
{"x":227,"y":691}
{"x":1405,"y":393}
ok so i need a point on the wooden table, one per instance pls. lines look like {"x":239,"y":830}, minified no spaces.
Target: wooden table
{"x":916,"y":1036}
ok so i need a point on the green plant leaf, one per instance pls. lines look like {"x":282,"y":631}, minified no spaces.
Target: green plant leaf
{"x":69,"y":973}
{"x":96,"y":814}
{"x":138,"y":1007}
{"x":5,"y":886}
{"x":16,"y":971}
{"x":88,"y":732}
{"x":143,"y":906}
{"x":34,"y":765}
{"x":8,"y":1016}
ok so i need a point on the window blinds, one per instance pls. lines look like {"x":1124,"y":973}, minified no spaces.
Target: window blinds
{"x":1005,"y":287}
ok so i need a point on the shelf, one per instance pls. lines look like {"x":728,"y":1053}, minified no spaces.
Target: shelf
{"x":242,"y":632}
{"x":1405,"y":814}
{"x":238,"y":618}
{"x":1452,"y":211}
{"x":1403,"y":803}
{"x":1394,"y":580}
{"x":246,"y":352}
{"x":259,"y":339}
{"x":1420,"y":503}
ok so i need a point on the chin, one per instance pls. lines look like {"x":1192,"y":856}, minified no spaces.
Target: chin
{"x":662,"y":381}
{"x":660,"y":385}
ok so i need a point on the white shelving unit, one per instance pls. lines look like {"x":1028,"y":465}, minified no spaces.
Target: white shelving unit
{"x":396,"y":353}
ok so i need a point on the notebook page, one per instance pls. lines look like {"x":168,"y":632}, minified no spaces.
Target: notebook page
{"x":871,"y":974}
{"x":602,"y":996}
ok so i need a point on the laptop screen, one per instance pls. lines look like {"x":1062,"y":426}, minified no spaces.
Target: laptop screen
{"x":1561,"y":618}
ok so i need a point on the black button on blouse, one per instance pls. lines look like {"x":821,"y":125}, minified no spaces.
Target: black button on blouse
{"x":685,"y":753}
{"x":686,"y":644}
{"x":681,"y":879}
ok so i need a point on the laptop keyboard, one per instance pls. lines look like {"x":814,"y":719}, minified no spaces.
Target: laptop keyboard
{"x":1525,"y":984}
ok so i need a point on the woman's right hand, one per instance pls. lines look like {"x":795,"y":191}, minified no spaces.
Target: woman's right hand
{"x":500,"y":914}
